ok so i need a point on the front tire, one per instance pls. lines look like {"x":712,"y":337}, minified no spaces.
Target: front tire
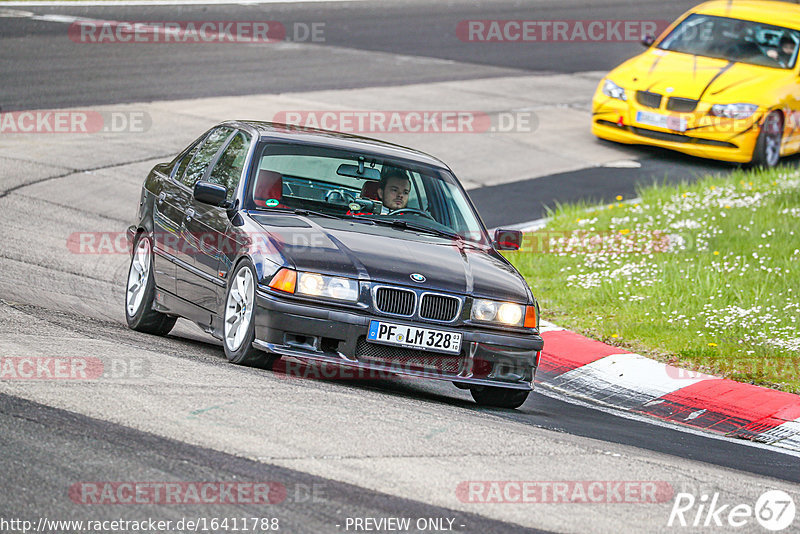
{"x":499,"y":397}
{"x":767,"y":152}
{"x":239,"y":329}
{"x":141,"y":290}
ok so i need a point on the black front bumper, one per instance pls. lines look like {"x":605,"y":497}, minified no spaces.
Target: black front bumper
{"x":318,"y":333}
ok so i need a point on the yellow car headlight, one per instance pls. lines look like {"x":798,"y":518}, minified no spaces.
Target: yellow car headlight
{"x":733,"y":111}
{"x":613,"y":90}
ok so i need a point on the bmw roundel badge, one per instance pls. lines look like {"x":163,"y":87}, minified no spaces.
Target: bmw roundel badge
{"x":418,"y":277}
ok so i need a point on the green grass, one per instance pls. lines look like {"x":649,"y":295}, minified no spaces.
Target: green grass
{"x":703,"y":275}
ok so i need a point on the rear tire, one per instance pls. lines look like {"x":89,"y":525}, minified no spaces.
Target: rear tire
{"x":767,"y":152}
{"x":499,"y":397}
{"x":239,"y":325}
{"x":141,"y":290}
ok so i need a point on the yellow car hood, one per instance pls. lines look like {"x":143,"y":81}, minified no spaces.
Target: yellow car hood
{"x":696,"y":77}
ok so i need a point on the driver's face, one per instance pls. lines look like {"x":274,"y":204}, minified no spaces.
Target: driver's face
{"x":395,"y":195}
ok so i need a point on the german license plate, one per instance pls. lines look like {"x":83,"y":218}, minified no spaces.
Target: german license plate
{"x":670,"y":122}
{"x":414,"y":337}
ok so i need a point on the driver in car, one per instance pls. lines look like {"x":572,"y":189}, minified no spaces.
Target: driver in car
{"x":393,"y":189}
{"x":783,"y":54}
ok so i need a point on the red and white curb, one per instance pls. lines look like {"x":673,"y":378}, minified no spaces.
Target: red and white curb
{"x":582,"y":367}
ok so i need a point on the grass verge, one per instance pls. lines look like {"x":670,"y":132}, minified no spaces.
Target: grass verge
{"x":704,"y":275}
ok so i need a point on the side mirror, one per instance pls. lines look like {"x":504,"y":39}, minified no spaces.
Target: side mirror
{"x":507,"y":239}
{"x":648,"y":40}
{"x":209,"y":193}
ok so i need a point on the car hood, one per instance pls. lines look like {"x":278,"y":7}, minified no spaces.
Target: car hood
{"x":695,"y":77}
{"x":389,"y":255}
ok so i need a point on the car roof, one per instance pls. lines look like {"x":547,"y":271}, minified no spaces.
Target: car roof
{"x":765,"y":11}
{"x":299,"y":134}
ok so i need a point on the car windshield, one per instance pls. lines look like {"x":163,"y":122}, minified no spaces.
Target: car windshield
{"x":734,"y":40}
{"x":364,"y":187}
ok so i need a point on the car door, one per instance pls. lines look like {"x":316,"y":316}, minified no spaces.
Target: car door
{"x":189,"y":281}
{"x":209,"y":224}
{"x":167,"y":220}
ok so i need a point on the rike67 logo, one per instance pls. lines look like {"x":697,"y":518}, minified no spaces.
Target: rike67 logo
{"x":774,"y":510}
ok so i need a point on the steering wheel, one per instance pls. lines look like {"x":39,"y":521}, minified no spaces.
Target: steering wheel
{"x":345,"y":197}
{"x":412,"y":210}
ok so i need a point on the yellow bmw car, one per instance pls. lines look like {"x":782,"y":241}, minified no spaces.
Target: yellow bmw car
{"x":722,"y":82}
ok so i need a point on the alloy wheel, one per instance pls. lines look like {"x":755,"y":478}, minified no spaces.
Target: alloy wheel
{"x":239,"y":309}
{"x":138,"y":276}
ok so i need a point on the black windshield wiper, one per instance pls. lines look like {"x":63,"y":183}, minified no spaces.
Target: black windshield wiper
{"x":359,"y":218}
{"x":301,"y":211}
{"x":298,"y":211}
{"x":406,"y":225}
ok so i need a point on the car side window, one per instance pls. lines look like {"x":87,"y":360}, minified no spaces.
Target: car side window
{"x":229,"y":167}
{"x":204,"y":156}
{"x":180,"y":168}
{"x":453,"y":213}
{"x":416,"y":197}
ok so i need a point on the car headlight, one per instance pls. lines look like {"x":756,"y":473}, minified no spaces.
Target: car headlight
{"x":613,"y":90}
{"x":733,"y":111}
{"x":503,"y":313}
{"x":315,"y":285}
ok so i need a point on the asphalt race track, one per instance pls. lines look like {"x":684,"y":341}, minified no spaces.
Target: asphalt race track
{"x":338,"y":455}
{"x":35,"y":51}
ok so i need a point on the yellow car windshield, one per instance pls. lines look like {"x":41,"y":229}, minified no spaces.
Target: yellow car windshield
{"x":734,"y":40}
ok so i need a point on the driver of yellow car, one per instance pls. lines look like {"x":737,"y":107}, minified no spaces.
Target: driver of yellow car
{"x":783,"y":54}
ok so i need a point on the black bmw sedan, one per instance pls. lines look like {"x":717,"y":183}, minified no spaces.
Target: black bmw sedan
{"x":326,"y":247}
